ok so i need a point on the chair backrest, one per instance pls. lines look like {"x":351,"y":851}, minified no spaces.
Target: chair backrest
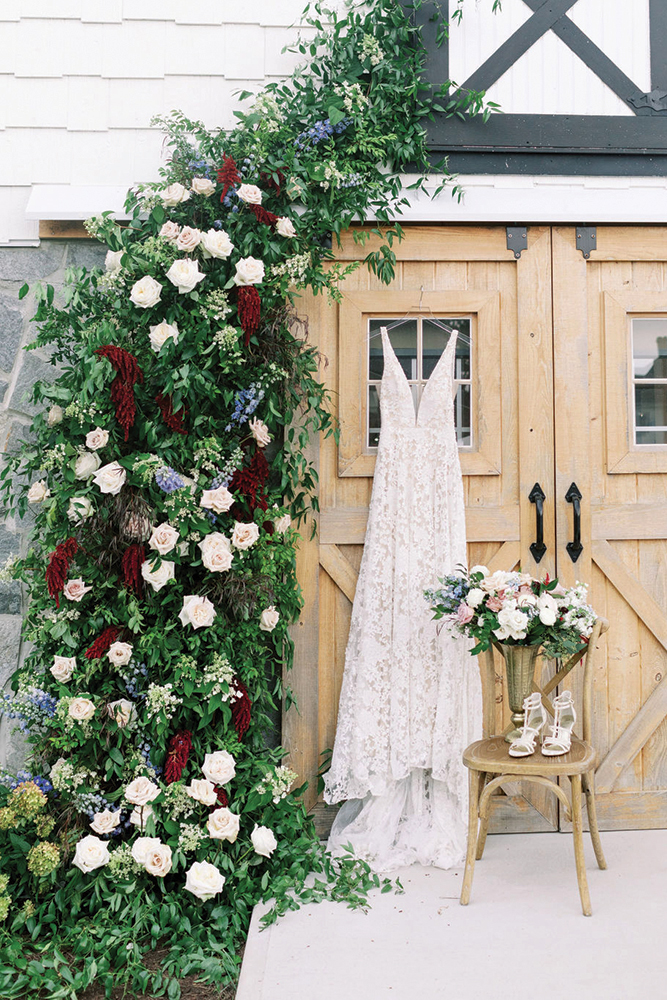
{"x":589,"y":654}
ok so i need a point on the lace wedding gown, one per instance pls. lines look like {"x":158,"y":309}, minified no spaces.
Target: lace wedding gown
{"x":410,"y":701}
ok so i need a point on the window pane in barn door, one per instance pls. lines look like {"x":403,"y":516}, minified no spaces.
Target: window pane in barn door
{"x":649,"y":362}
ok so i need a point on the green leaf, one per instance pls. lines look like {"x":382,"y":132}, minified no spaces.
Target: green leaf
{"x":335,"y":114}
{"x":23,"y":290}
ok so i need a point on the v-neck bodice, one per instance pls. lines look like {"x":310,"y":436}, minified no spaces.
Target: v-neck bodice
{"x":396,"y":403}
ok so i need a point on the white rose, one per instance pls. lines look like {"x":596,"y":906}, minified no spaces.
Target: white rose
{"x":119,"y":653}
{"x":110,"y":478}
{"x":159,"y":576}
{"x":497,"y":581}
{"x":161,"y":333}
{"x":219,"y":767}
{"x":475,"y":597}
{"x":203,"y":880}
{"x":548,"y":609}
{"x":164,"y":538}
{"x":39,"y":492}
{"x":97,"y":439}
{"x":249,"y":271}
{"x":55,"y":415}
{"x":86,"y":465}
{"x":223,"y":825}
{"x":268,"y":619}
{"x":260,"y":432}
{"x":170,"y":231}
{"x":105,"y":822}
{"x":158,"y":860}
{"x":263,"y":841}
{"x":218,"y":500}
{"x":526,"y":600}
{"x":202,"y":791}
{"x":79,"y":509}
{"x":81,"y":709}
{"x":513,"y":621}
{"x":216,"y":553}
{"x":188,"y":239}
{"x":174,"y":194}
{"x":196,"y":611}
{"x":146,"y":292}
{"x":250,"y":193}
{"x":142,"y":847}
{"x":122,"y":712}
{"x":244,"y":535}
{"x":216,"y":243}
{"x":63,"y":668}
{"x":112,"y":261}
{"x":139,"y":816}
{"x":202,"y":185}
{"x":91,"y":853}
{"x":141,"y":791}
{"x":74,"y":590}
{"x":185,"y":274}
{"x":283,"y":523}
{"x":284,"y":227}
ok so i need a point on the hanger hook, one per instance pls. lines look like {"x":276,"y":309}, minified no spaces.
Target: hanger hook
{"x":421,"y":297}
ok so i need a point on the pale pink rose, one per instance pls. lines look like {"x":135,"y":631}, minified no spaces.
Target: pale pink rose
{"x":244,"y":535}
{"x":223,"y":824}
{"x":97,"y":439}
{"x":216,"y":243}
{"x":86,"y":465}
{"x":158,"y":860}
{"x":250,"y":193}
{"x":170,"y":231}
{"x":112,"y":261}
{"x":197,"y":611}
{"x":268,"y":619}
{"x":110,"y":478}
{"x":140,"y":814}
{"x":164,"y":538}
{"x":260,"y":432}
{"x":91,"y":853}
{"x":39,"y":492}
{"x":285,"y":227}
{"x":464,"y":614}
{"x":105,"y":822}
{"x":158,"y":576}
{"x":218,"y":500}
{"x":249,"y":271}
{"x":174,"y":194}
{"x":494,"y":603}
{"x":81,"y":709}
{"x":203,"y":186}
{"x":219,"y":767}
{"x":63,"y":668}
{"x":119,"y":653}
{"x":188,"y":239}
{"x":216,"y":552}
{"x":74,"y":590}
{"x":55,"y":415}
{"x":122,"y":712}
{"x":202,"y":790}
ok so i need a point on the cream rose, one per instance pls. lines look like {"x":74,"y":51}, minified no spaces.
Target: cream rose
{"x":203,"y":186}
{"x":475,"y":597}
{"x":39,"y":492}
{"x":268,"y":619}
{"x":548,"y":609}
{"x":142,"y":847}
{"x":512,"y":624}
{"x":218,"y":500}
{"x":164,"y":538}
{"x":216,"y":243}
{"x":55,"y":415}
{"x":244,"y":535}
{"x":105,"y":822}
{"x":146,"y":292}
{"x":140,"y":814}
{"x":63,"y":668}
{"x":223,"y":824}
{"x":120,"y":653}
{"x":185,"y":274}
{"x":97,"y":439}
{"x":188,"y":239}
{"x":75,"y":590}
{"x":122,"y":712}
{"x":202,"y":791}
{"x":219,"y":767}
{"x":249,"y":193}
{"x":81,"y":709}
{"x":158,"y":860}
{"x":170,"y":231}
{"x":249,"y":271}
{"x":260,"y":432}
{"x":86,"y":465}
{"x":283,"y":523}
{"x":196,"y":611}
{"x":174,"y":194}
{"x":112,"y":261}
{"x":79,"y":509}
{"x":263,"y":841}
{"x":216,"y":552}
{"x":204,"y":880}
{"x":110,"y":478}
{"x":285,"y":227}
{"x":90,"y":853}
{"x":159,"y":576}
{"x":141,"y":791}
{"x":161,"y":333}
{"x":497,"y":581}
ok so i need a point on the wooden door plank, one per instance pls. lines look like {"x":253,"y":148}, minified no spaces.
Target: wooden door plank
{"x":347,"y":525}
{"x":340,"y":569}
{"x":639,"y":521}
{"x":440,"y":243}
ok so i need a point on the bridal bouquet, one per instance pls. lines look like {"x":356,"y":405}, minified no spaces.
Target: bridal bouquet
{"x":513,"y":608}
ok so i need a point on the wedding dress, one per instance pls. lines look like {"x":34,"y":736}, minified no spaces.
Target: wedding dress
{"x":410,"y":701}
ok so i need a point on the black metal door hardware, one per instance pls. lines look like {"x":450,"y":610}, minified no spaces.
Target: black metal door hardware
{"x":538,"y":496}
{"x":517,"y":239}
{"x":587,"y":240}
{"x":575,"y":548}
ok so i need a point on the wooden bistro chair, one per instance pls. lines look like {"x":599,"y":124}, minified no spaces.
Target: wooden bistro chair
{"x":489,"y":765}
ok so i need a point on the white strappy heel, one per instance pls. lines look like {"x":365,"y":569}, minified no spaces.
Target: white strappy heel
{"x":565,"y":717}
{"x":534,"y":720}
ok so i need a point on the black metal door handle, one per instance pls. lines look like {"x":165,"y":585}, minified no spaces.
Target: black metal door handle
{"x":575,"y":548}
{"x":538,"y":496}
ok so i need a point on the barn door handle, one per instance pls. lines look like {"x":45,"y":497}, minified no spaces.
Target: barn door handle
{"x":538,"y":496}
{"x":575,"y":548}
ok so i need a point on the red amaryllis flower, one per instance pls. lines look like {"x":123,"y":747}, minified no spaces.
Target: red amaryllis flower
{"x":250,"y":482}
{"x":261,"y":214}
{"x":241,"y":709}
{"x":133,"y":557}
{"x":249,"y":309}
{"x":122,"y":387}
{"x":178,"y":751}
{"x":174,"y":421}
{"x":103,"y":642}
{"x":58,"y":566}
{"x":227,"y":175}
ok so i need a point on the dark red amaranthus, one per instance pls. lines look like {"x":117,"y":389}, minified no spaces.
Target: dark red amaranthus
{"x":227,"y":175}
{"x":241,"y":709}
{"x":133,"y":557}
{"x":261,"y":214}
{"x":268,"y":181}
{"x":174,"y":421}
{"x":58,"y":566}
{"x":222,"y":796}
{"x":122,"y":387}
{"x":250,"y":481}
{"x":178,"y":751}
{"x":103,"y":642}
{"x":249,"y":305}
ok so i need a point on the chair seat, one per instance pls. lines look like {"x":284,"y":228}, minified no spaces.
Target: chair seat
{"x":492,"y":755}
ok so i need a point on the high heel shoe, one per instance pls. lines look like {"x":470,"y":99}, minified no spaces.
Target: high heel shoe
{"x":565,"y":717}
{"x":534,"y":720}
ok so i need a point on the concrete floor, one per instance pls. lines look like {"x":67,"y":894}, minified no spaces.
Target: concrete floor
{"x":522,"y":936}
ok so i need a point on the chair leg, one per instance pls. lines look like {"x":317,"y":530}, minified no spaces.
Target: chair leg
{"x":589,"y":789}
{"x":484,"y":821}
{"x":577,"y":834}
{"x":473,"y":812}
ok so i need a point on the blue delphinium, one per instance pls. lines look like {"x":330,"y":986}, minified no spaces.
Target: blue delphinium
{"x":245,"y":403}
{"x":30,"y":707}
{"x":12,"y":781}
{"x":168,"y":479}
{"x":320,"y":131}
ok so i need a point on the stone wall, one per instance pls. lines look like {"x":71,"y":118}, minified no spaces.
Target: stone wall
{"x":19,"y":370}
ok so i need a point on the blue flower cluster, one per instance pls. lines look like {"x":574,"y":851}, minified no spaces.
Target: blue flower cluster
{"x":14,"y":780}
{"x":91,"y":803}
{"x":30,"y":708}
{"x":245,"y":403}
{"x":351,"y":180}
{"x":132,"y":679}
{"x":320,"y":131}
{"x":168,"y":479}
{"x":230,"y":201}
{"x":200,"y":168}
{"x":146,"y":750}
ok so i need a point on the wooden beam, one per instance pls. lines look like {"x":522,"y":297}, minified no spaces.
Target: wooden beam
{"x":62,"y":230}
{"x":347,"y":525}
{"x":340,"y":569}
